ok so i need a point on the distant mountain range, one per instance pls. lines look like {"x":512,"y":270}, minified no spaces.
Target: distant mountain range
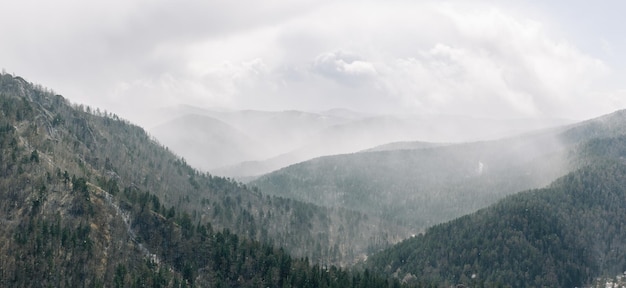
{"x":250,"y":143}
{"x":565,"y":235}
{"x":219,"y":143}
{"x":422,"y":184}
{"x":88,"y":199}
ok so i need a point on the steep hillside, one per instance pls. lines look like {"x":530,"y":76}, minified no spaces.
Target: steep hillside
{"x":90,"y":199}
{"x":564,"y":235}
{"x":422,"y":187}
{"x":422,"y":184}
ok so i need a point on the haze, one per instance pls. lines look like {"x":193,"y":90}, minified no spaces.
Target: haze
{"x":243,"y":88}
{"x":479,"y":58}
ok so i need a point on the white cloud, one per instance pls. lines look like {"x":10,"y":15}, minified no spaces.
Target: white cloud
{"x":343,"y":67}
{"x":419,"y":57}
{"x":356,"y":67}
{"x":548,"y":74}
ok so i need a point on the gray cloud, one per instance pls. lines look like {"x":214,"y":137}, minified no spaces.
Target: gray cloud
{"x":394,"y":56}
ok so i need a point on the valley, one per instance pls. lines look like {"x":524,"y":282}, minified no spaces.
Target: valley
{"x":247,"y":144}
{"x":90,"y":199}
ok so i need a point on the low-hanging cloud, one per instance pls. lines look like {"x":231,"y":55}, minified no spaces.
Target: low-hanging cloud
{"x":422,"y":57}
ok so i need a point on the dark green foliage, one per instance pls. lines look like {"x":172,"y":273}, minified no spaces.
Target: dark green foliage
{"x":109,"y":185}
{"x":210,"y":259}
{"x":425,"y":186}
{"x":561,"y":236}
{"x":429,"y":184}
{"x":118,"y":156}
{"x":58,"y":120}
{"x":34,"y":156}
{"x":87,"y":199}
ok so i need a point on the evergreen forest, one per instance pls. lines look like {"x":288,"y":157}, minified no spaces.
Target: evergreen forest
{"x":91,"y":200}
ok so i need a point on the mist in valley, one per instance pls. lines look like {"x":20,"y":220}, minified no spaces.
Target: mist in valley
{"x":246,"y":144}
{"x":315,"y":143}
{"x":428,"y":183}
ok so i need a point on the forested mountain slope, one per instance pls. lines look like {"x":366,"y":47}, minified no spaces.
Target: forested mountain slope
{"x":422,"y":187}
{"x":564,"y":235}
{"x":90,"y":200}
{"x":433,"y":183}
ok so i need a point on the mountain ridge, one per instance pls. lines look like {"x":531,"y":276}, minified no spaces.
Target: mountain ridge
{"x":449,"y":179}
{"x":293,"y":136}
{"x":564,"y":235}
{"x":93,"y":200}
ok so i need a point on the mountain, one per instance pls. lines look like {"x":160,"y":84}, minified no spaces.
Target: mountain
{"x":251,"y":137}
{"x":269,"y":141}
{"x":219,"y":143}
{"x":405,"y":145}
{"x":250,"y":170}
{"x":89,"y":199}
{"x":565,"y":235}
{"x":422,"y":184}
{"x":422,"y":187}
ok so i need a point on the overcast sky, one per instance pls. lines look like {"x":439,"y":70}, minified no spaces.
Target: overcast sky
{"x":481,"y":58}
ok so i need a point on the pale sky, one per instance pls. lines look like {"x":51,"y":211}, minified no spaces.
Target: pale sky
{"x":496,"y":59}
